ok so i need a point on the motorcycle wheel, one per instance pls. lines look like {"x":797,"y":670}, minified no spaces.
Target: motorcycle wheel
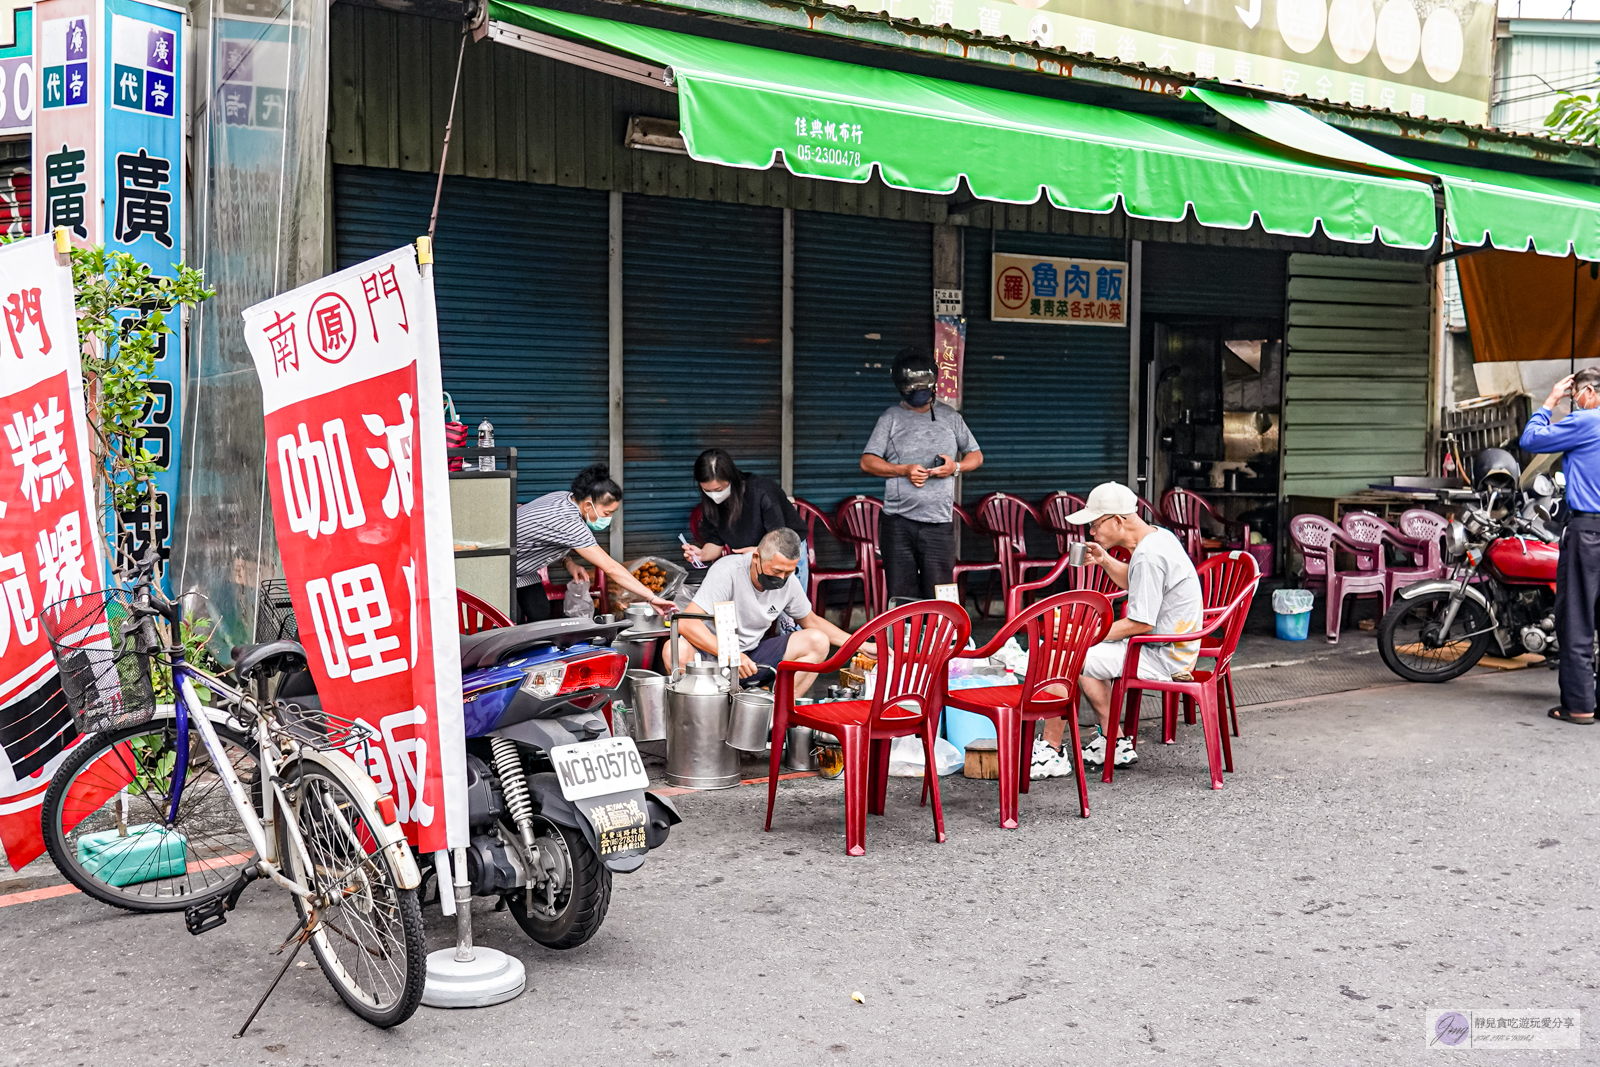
{"x":582,"y":889}
{"x":1408,"y":638}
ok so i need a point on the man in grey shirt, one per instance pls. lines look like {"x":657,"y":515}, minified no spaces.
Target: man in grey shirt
{"x":918,"y":447}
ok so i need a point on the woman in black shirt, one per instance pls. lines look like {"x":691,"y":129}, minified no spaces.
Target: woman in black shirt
{"x":737,"y":510}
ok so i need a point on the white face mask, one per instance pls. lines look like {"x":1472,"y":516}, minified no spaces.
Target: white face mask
{"x":721,"y":494}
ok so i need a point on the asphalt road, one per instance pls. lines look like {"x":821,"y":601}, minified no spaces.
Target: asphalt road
{"x":1378,"y":853}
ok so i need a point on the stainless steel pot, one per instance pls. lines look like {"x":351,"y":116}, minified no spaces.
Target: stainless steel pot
{"x":799,"y":743}
{"x":698,"y":756}
{"x":647,"y":705}
{"x":750,"y":722}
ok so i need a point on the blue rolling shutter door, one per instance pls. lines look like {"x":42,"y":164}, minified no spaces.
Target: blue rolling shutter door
{"x":1048,"y":404}
{"x":520,"y":278}
{"x":863,"y":290}
{"x":702,"y":365}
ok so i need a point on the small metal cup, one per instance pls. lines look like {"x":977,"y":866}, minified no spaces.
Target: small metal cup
{"x":1077,"y":553}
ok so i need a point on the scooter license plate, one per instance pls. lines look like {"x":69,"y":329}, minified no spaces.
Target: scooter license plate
{"x":596,"y":768}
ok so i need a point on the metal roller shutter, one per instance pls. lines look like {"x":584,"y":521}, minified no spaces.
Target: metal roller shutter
{"x":702,"y":364}
{"x":520,"y":277}
{"x":1237,"y":283}
{"x":1356,"y":399}
{"x":1048,"y":404}
{"x":863,"y":290}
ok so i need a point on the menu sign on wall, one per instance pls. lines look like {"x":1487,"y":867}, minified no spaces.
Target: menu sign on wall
{"x":1068,"y":292}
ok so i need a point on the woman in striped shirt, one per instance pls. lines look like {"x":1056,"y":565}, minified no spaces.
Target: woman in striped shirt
{"x":554,"y":526}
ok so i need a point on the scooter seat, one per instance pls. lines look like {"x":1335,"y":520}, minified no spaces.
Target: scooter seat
{"x":488,"y":647}
{"x":275,"y":655}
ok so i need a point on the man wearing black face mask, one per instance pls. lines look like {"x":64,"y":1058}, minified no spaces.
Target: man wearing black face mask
{"x":918,"y":447}
{"x":761,"y":586}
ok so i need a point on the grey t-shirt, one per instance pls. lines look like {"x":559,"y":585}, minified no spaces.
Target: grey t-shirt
{"x":755,"y":609}
{"x":1164,"y":591}
{"x":906,"y":436}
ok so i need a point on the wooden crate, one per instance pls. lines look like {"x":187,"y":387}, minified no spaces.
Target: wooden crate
{"x":983,"y":759}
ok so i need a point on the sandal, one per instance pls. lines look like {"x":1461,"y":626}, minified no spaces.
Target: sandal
{"x":1576,"y":718}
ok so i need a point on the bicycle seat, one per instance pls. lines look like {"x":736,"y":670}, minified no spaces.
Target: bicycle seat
{"x":488,"y":647}
{"x":274,"y":655}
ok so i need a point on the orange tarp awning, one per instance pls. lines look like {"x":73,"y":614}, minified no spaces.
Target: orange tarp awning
{"x":1520,"y":305}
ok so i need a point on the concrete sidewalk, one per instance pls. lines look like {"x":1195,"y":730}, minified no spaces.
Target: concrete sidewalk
{"x":1376,"y":854}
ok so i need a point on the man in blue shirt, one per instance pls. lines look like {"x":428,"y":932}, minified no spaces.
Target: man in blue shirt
{"x":1578,"y":569}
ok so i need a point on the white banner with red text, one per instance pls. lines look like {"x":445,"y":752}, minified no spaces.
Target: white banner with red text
{"x":350,"y":387}
{"x":49,"y":547}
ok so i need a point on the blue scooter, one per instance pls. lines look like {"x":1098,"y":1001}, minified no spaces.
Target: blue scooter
{"x":556,"y":803}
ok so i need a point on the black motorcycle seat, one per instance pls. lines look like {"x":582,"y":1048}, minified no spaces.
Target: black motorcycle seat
{"x":488,"y":647}
{"x":248,"y":658}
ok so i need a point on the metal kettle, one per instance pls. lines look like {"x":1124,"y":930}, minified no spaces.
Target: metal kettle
{"x":698,"y":755}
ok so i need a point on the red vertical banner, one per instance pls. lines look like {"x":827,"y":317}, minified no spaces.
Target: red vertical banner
{"x":49,"y":544}
{"x":949,"y":348}
{"x":351,"y":390}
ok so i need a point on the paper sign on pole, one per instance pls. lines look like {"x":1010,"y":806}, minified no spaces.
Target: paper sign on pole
{"x":350,"y":385}
{"x":49,"y":549}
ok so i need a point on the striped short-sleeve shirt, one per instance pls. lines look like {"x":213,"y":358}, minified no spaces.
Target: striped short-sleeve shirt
{"x":548,"y":527}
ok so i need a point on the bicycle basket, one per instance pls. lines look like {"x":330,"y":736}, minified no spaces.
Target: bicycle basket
{"x":275,"y":619}
{"x":106,"y":681}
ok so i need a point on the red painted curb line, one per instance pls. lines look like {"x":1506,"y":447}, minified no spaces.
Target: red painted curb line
{"x":30,"y":895}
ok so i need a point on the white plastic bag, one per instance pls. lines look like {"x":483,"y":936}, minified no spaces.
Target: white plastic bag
{"x":905,"y":757}
{"x":1291,"y":601}
{"x":577,"y":604}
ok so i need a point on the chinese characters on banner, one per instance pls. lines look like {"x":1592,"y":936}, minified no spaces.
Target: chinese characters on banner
{"x":349,"y":369}
{"x":1072,"y":292}
{"x":49,"y":550}
{"x":949,"y":344}
{"x":108,"y":152}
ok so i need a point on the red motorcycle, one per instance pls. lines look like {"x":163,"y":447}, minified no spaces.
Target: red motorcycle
{"x":1500,"y":592}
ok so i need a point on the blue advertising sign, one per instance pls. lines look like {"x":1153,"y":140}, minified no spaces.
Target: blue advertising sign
{"x":142,"y":173}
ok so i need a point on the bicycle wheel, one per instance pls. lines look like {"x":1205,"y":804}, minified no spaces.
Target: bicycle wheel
{"x":105,"y":818}
{"x":368,"y":931}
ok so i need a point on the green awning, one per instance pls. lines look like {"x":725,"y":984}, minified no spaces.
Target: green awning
{"x":744,"y":106}
{"x":1506,"y":210}
{"x":1290,"y":126}
{"x":1514,"y":211}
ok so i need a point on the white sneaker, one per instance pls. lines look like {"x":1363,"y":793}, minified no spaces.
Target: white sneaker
{"x":1094,"y":753}
{"x":1126,"y":756}
{"x":1047,"y":762}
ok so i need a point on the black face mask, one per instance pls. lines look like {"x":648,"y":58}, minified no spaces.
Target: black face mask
{"x":770,"y":582}
{"x":917,"y":397}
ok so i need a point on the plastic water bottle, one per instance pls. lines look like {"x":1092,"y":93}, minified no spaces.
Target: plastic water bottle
{"x":486,"y":440}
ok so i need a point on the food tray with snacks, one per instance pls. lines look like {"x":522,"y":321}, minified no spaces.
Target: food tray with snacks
{"x":661,"y":576}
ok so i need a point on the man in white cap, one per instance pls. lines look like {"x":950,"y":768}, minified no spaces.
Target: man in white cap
{"x":1163,"y":597}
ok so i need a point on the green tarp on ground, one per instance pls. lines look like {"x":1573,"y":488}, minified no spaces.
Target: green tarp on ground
{"x":750,"y":107}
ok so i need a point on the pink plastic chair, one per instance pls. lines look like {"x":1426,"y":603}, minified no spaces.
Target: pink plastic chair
{"x":1319,"y":542}
{"x":1421,"y":533}
{"x":857,"y":521}
{"x":1150,"y":513}
{"x":1185,"y":512}
{"x":915,"y":644}
{"x":475,"y":614}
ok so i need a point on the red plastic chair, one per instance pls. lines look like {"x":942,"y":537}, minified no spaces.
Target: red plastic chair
{"x":984,"y":567}
{"x":1053,"y":512}
{"x":1150,"y":513}
{"x":814,"y":518}
{"x":1201,"y":688}
{"x":1185,"y":512}
{"x":1060,"y":631}
{"x":857,"y":521}
{"x":1005,"y":516}
{"x":1223,"y":577}
{"x":477,"y":614}
{"x":1088,"y":578}
{"x":1319,"y":542}
{"x":915,"y":644}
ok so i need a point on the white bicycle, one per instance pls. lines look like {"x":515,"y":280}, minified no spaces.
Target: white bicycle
{"x":179,"y":807}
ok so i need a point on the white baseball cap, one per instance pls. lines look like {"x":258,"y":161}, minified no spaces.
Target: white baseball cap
{"x":1108,"y":498}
